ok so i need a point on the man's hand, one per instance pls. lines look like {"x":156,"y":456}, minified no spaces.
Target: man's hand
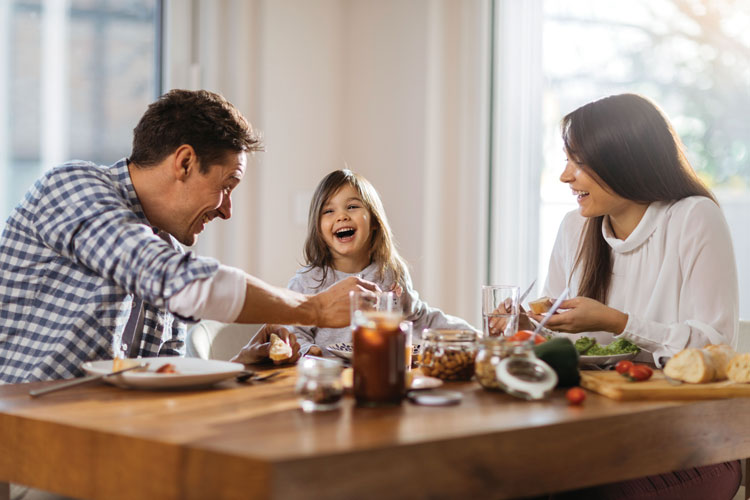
{"x":257,"y":350}
{"x":332,"y":305}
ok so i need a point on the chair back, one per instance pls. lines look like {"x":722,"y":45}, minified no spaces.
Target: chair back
{"x":215,"y":340}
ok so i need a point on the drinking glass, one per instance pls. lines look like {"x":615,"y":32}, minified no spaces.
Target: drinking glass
{"x":379,"y":348}
{"x":408,"y":328}
{"x":500,"y":310}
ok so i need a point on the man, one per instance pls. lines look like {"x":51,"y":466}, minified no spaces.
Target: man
{"x":89,"y":268}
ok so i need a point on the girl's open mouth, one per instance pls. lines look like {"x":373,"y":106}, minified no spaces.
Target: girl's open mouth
{"x":345,"y":234}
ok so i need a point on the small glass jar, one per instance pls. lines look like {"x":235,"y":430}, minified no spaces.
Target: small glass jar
{"x":319,"y":386}
{"x":489,"y":354}
{"x":448,"y":354}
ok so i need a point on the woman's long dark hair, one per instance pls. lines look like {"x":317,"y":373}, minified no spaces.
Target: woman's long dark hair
{"x":632,"y":150}
{"x":383,"y":249}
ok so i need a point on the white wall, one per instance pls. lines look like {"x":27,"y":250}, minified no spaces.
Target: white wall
{"x":395,"y":90}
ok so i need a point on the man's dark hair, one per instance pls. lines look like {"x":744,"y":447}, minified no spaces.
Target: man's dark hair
{"x":204,"y":120}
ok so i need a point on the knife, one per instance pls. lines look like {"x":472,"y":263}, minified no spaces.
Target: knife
{"x":78,"y":381}
{"x":526,"y":293}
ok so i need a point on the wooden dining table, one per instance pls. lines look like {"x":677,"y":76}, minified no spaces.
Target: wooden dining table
{"x":251,"y":440}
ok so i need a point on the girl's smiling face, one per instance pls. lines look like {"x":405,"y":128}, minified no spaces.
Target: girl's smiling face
{"x":346,"y":229}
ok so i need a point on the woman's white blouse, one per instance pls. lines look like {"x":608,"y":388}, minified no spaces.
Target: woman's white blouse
{"x":675,"y":277}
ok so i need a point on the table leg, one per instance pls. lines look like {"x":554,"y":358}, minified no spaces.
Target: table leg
{"x":4,"y":491}
{"x":746,"y":462}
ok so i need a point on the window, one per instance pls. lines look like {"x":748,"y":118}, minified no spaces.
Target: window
{"x":75,"y":77}
{"x":690,"y":57}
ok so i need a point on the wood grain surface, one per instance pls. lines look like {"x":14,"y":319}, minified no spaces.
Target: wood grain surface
{"x":615,"y":386}
{"x":252,"y":441}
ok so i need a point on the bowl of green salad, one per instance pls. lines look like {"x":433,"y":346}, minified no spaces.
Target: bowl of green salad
{"x":592,"y":353}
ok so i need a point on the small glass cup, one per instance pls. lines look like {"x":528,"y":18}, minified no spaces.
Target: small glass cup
{"x":500,"y":309}
{"x":319,"y":386}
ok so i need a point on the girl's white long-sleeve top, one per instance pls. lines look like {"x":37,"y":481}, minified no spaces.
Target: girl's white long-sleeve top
{"x":675,"y":277}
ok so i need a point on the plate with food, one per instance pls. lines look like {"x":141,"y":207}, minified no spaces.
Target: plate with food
{"x":344,"y":350}
{"x":165,"y":372}
{"x":594,"y":354}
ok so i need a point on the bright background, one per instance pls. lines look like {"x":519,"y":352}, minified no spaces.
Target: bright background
{"x":450,"y":108}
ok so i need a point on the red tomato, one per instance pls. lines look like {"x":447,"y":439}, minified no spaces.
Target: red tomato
{"x":522,"y":335}
{"x":575,"y":395}
{"x":623,"y":366}
{"x":639,"y":373}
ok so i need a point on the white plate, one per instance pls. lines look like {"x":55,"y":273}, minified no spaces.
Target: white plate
{"x":191,"y":372}
{"x":344,"y":349}
{"x":604,"y":360}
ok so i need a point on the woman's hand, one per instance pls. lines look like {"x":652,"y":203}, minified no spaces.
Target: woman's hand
{"x":583,"y":314}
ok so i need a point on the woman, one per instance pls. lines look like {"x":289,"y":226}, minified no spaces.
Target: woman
{"x":649,"y":256}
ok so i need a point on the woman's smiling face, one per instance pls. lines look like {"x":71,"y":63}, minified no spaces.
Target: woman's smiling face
{"x":346,"y":229}
{"x":594,"y":197}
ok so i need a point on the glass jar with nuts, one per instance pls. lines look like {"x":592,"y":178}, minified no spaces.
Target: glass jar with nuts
{"x":448,"y":354}
{"x":490,"y":352}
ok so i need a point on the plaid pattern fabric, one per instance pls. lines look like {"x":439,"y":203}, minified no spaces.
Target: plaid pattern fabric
{"x":72,"y":255}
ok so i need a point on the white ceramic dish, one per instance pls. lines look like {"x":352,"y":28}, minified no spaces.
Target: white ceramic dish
{"x":191,"y":373}
{"x":604,"y":361}
{"x":344,"y":349}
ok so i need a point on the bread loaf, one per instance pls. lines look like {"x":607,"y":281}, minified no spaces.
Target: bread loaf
{"x":700,"y":365}
{"x":691,"y":365}
{"x":738,"y":369}
{"x":720,"y":354}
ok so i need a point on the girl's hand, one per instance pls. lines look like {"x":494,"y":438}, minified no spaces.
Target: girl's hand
{"x":585,"y":315}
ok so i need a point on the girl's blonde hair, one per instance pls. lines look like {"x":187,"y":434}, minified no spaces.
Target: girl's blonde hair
{"x":383,"y":248}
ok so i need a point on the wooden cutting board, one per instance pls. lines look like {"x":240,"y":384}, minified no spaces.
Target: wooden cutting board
{"x":615,"y":386}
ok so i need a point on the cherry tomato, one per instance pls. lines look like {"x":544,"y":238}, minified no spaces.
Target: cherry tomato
{"x":522,"y":335}
{"x":575,"y":395}
{"x":639,"y":373}
{"x":623,"y":366}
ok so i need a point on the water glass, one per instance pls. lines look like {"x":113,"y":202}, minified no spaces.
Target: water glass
{"x":362,"y":302}
{"x":408,"y":329}
{"x":500,"y":310}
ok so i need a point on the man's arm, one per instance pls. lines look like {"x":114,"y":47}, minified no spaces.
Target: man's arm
{"x":265,"y":303}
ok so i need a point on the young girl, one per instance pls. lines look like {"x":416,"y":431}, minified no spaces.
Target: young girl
{"x":348,"y":234}
{"x":649,"y":253}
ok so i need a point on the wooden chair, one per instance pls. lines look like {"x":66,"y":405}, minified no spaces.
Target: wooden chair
{"x":215,"y":340}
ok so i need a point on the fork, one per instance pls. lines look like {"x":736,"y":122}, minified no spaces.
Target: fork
{"x":249,"y":375}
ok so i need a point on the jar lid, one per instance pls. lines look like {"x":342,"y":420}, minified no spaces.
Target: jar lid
{"x":526,"y":377}
{"x":445,"y":335}
{"x":435,"y":397}
{"x":310,"y":366}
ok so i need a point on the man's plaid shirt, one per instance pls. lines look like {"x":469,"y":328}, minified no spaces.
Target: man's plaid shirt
{"x":72,"y":254}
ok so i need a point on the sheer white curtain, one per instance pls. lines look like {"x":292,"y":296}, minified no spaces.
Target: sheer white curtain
{"x":517,"y":153}
{"x":395,"y":90}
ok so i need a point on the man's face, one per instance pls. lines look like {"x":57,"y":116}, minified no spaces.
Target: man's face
{"x":204,"y":197}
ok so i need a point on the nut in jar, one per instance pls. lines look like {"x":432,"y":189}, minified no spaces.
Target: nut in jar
{"x":448,"y":354}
